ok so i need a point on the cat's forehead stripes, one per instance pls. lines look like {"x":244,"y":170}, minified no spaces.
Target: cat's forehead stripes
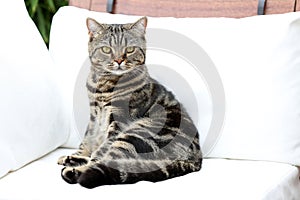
{"x":116,"y":28}
{"x":117,"y":38}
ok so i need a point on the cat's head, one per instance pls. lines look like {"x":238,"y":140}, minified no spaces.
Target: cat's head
{"x":117,"y":48}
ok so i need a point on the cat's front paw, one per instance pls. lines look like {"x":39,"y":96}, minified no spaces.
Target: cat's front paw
{"x":72,"y":161}
{"x":63,"y":160}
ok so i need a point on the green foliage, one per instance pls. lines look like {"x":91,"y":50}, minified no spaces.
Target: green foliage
{"x":42,"y":11}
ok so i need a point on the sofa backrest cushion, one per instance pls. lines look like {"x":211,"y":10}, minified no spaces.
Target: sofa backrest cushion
{"x":257,"y":59}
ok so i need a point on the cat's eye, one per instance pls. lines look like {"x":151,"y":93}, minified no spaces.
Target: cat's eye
{"x":106,"y":49}
{"x":130,"y":49}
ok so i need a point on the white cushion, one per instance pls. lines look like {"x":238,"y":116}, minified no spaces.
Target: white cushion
{"x":257,"y":58}
{"x":218,"y":179}
{"x":32,"y":119}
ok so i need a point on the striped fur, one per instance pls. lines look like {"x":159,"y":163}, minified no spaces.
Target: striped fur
{"x":137,"y":130}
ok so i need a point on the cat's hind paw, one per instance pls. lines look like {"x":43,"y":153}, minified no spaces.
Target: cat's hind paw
{"x":70,"y":175}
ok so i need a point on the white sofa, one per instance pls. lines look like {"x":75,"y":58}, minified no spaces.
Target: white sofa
{"x":245,"y":84}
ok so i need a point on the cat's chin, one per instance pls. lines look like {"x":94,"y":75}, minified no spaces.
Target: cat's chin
{"x":116,"y":72}
{"x":119,"y":72}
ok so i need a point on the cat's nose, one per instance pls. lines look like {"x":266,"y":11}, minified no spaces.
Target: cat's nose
{"x":119,"y":61}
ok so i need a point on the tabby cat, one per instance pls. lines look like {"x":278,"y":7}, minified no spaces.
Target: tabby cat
{"x":137,"y":130}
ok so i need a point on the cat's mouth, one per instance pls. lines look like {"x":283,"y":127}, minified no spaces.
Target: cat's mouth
{"x":119,"y":69}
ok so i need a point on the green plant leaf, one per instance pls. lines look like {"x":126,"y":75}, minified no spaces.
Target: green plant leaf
{"x":42,"y":24}
{"x":42,"y":12}
{"x":51,"y":6}
{"x":34,"y":5}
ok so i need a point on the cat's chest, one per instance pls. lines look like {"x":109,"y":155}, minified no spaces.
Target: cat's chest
{"x":103,"y":115}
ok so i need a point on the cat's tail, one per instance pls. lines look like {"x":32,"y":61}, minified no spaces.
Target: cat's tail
{"x":128,"y":171}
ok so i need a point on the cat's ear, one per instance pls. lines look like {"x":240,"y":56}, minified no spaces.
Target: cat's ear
{"x":139,"y":25}
{"x":94,"y":27}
